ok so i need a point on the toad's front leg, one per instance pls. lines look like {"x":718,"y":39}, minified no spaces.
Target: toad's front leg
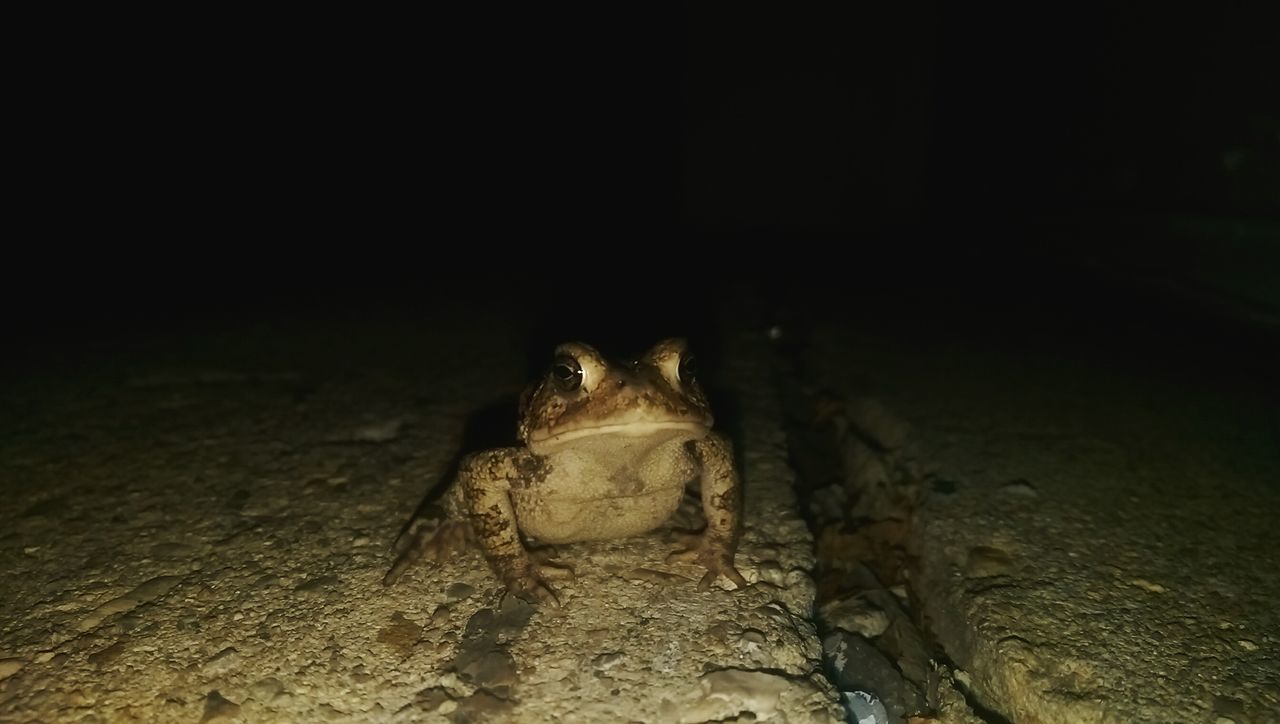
{"x":486,"y":479}
{"x":716,"y":545}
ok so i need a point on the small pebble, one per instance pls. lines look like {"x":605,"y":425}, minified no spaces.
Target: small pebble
{"x":317,"y":584}
{"x":986,"y":562}
{"x":222,"y":661}
{"x":9,"y":667}
{"x":107,"y":655}
{"x":604,"y":662}
{"x":458,"y":591}
{"x":1019,"y":489}
{"x":266,"y":689}
{"x":1148,"y":586}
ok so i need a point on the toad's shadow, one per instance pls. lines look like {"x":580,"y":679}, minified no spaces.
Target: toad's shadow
{"x":491,"y":426}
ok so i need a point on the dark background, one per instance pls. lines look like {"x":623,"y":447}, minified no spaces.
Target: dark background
{"x":606,"y":167}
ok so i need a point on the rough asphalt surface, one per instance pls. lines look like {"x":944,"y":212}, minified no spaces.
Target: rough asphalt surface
{"x":194,"y":528}
{"x":197,"y":531}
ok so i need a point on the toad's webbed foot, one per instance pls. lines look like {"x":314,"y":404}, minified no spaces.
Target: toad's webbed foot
{"x":529,"y":581}
{"x":430,"y":537}
{"x":711,"y":553}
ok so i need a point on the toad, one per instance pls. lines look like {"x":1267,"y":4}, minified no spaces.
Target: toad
{"x":607,"y":452}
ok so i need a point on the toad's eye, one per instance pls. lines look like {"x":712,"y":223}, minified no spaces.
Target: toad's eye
{"x":566,"y":373}
{"x":688,"y":369}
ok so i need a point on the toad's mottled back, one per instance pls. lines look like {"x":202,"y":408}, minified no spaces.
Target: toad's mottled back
{"x":608,"y":450}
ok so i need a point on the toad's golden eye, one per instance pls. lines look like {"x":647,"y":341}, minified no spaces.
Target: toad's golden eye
{"x":688,"y":369}
{"x":566,"y":373}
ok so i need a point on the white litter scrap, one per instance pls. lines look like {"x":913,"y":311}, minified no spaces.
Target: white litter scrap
{"x":864,"y":708}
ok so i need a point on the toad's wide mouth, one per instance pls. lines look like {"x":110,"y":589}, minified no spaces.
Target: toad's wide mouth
{"x":620,"y":429}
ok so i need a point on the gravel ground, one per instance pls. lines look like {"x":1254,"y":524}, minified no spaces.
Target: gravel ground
{"x":196,"y":528}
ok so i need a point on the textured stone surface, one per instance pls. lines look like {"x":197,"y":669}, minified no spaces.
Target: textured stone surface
{"x":1099,"y":544}
{"x":197,"y":532}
